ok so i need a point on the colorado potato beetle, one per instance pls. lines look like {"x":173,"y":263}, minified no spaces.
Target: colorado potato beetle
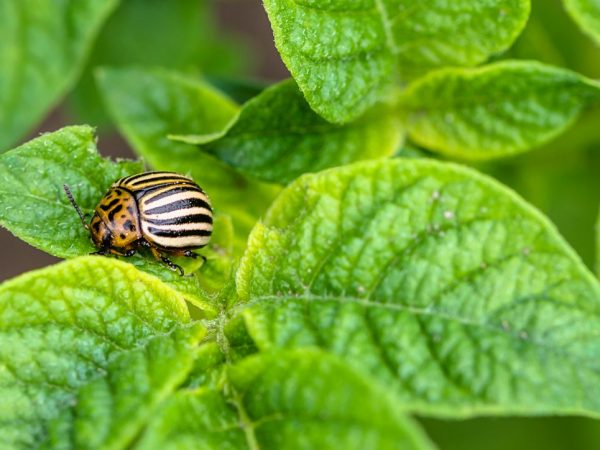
{"x":165,"y":212}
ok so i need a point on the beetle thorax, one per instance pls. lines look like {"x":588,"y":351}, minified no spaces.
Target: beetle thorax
{"x":115,"y":224}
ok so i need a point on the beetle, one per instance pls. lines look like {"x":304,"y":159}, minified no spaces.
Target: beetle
{"x":165,"y":212}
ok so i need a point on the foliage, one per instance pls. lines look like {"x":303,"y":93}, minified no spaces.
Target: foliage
{"x":276,"y":137}
{"x":44,"y":46}
{"x":403,"y":318}
{"x":346,"y":55}
{"x":148,"y":104}
{"x":353,"y":279}
{"x":497,"y":110}
{"x":587,"y":14}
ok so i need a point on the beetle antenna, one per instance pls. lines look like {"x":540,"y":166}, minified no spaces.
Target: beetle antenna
{"x":76,"y":206}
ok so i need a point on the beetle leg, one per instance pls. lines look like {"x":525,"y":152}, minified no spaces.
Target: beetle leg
{"x":172,"y":265}
{"x":154,"y":251}
{"x":112,"y":251}
{"x":191,"y":254}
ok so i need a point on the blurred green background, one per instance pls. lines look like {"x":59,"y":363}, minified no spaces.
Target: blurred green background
{"x":228,"y":41}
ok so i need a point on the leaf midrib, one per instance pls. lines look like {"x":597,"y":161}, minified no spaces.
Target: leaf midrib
{"x":234,"y":397}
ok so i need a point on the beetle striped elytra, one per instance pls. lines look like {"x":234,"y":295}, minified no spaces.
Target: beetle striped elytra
{"x":162,"y":211}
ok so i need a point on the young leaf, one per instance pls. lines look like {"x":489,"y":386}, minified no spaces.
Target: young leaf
{"x":302,"y":399}
{"x":346,"y":54}
{"x":437,"y":280}
{"x":43,"y":46}
{"x":150,"y":104}
{"x":587,"y":15}
{"x":277,"y":137}
{"x":71,"y":333}
{"x":494,"y":111}
{"x":34,"y":206}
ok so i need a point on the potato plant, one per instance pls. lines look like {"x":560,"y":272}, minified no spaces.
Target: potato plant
{"x":369,"y":263}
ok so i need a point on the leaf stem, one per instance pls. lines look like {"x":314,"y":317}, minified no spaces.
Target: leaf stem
{"x":234,"y":397}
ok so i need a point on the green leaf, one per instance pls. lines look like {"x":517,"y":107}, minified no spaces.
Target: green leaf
{"x":112,"y":410}
{"x":43,"y":46}
{"x":150,"y":104}
{"x":277,"y":137}
{"x":75,"y":335}
{"x":208,"y":367}
{"x":302,"y":399}
{"x":438,"y":281}
{"x":345,"y":55}
{"x":552,"y":37}
{"x":598,"y":245}
{"x":587,"y":15}
{"x":238,"y":89}
{"x":562,"y":180}
{"x":200,"y":419}
{"x":33,"y":204}
{"x":494,"y":111}
{"x":178,"y":34}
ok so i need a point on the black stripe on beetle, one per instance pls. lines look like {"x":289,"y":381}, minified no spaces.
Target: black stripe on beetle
{"x":172,"y":191}
{"x":179,"y":205}
{"x":178,"y":233}
{"x":192,"y":218}
{"x":163,"y":180}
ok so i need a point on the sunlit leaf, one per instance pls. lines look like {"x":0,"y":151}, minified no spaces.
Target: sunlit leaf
{"x":496,"y":110}
{"x":438,"y":281}
{"x":345,"y":55}
{"x":89,"y":347}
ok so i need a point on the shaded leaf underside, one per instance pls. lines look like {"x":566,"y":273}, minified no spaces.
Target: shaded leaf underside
{"x":277,"y":137}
